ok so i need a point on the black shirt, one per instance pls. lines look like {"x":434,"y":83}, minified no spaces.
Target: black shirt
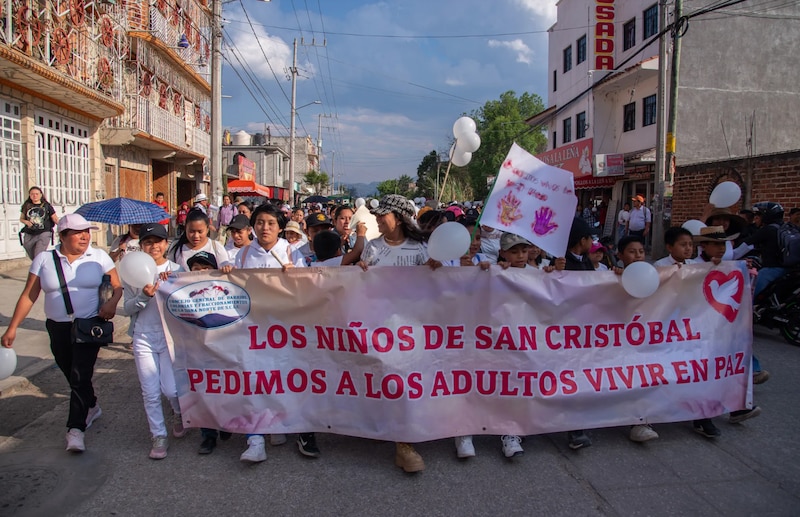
{"x":41,"y":217}
{"x":765,"y":240}
{"x":578,"y":262}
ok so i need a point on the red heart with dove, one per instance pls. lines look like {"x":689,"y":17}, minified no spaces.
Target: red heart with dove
{"x":724,"y":292}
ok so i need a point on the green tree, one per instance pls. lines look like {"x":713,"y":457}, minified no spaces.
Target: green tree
{"x":501,"y":123}
{"x":426,"y":175}
{"x":317,"y":180}
{"x":404,"y":185}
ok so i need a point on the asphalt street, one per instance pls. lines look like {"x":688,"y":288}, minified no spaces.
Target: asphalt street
{"x":752,"y":469}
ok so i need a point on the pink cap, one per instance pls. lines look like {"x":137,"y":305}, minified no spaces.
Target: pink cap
{"x":75,"y":222}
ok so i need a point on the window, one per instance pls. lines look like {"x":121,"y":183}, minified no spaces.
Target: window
{"x":567,"y":130}
{"x":629,"y":35}
{"x":555,"y":139}
{"x":650,"y":21}
{"x":629,"y":117}
{"x":649,"y":110}
{"x":11,"y":186}
{"x":62,"y":160}
{"x":580,"y":125}
{"x":581,"y":44}
{"x":555,"y":80}
{"x":568,"y":59}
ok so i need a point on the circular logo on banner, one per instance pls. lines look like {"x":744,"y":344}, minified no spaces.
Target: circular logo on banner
{"x":210,"y":304}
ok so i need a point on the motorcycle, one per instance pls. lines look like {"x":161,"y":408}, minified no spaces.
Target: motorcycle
{"x":778,"y":306}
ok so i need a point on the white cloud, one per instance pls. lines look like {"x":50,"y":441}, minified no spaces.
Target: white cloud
{"x":452,"y":81}
{"x":524,"y":53}
{"x":265,"y":50}
{"x":368,"y":116}
{"x":544,"y":8}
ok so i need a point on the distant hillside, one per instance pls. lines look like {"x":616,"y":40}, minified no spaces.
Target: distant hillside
{"x":364,"y":189}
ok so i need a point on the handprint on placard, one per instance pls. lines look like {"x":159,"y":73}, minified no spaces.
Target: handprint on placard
{"x":542,"y":224}
{"x":509,"y":209}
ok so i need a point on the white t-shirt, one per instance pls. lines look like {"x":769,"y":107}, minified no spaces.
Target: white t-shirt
{"x":129,"y":246}
{"x":331,"y":262}
{"x":147,"y":319}
{"x":601,"y":267}
{"x":255,"y":256}
{"x":669,"y":261}
{"x":410,"y":253}
{"x":623,"y":217}
{"x":82,"y":277}
{"x":211,"y":246}
{"x":477,"y":259}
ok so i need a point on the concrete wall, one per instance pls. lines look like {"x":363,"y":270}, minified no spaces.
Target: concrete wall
{"x":732,"y":68}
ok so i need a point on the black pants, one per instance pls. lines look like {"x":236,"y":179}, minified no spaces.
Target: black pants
{"x":76,"y":362}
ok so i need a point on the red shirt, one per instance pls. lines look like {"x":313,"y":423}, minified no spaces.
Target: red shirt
{"x":163,"y":205}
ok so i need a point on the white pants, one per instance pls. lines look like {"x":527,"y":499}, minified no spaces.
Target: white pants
{"x":156,"y":376}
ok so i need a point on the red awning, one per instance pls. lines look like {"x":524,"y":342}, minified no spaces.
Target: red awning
{"x":249,"y":188}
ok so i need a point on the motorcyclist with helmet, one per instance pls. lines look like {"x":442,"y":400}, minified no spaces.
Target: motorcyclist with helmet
{"x":768,"y":217}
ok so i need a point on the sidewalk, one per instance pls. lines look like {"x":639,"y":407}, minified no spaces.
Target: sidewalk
{"x":33,"y":344}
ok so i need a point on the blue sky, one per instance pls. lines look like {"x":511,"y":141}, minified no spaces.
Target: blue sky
{"x":392,"y":99}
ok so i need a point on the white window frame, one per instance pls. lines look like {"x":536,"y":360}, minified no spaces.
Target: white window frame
{"x":62,"y":159}
{"x":12,"y":189}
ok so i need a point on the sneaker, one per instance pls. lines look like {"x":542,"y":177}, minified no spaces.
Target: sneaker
{"x":760,"y":377}
{"x":178,"y":431}
{"x":159,"y":449}
{"x":578,"y":439}
{"x":744,"y":414}
{"x":277,"y":439}
{"x":511,"y":445}
{"x":464,"y":447}
{"x":706,"y":427}
{"x":75,"y":440}
{"x":225,"y":436}
{"x":408,"y":459}
{"x":207,"y":446}
{"x":255,"y":452}
{"x":307,"y":445}
{"x":93,"y":414}
{"x":642,"y":433}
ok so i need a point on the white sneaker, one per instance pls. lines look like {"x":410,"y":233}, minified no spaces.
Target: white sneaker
{"x":75,"y":440}
{"x":512,"y":445}
{"x":464,"y":447}
{"x":93,"y":414}
{"x":642,"y":433}
{"x":277,"y":439}
{"x":255,"y":452}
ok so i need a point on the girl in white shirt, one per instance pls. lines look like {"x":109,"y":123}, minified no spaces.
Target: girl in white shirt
{"x":195,"y":239}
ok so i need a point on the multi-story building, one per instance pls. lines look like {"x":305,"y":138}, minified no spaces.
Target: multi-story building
{"x":602,"y":107}
{"x":255,"y":166}
{"x":100,"y":99}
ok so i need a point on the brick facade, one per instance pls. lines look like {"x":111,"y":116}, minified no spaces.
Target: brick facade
{"x":775,"y":177}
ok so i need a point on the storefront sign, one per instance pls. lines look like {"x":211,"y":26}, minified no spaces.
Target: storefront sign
{"x":575,"y":158}
{"x":247,"y":168}
{"x":609,"y":165}
{"x":604,"y":35}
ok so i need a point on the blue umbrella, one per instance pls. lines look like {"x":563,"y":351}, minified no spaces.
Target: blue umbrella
{"x":122,"y":210}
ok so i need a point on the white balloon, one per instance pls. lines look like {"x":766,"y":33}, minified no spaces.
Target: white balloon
{"x":463,"y":126}
{"x":8,"y":362}
{"x":461,"y":159}
{"x":694,"y":226}
{"x":422,"y":199}
{"x":468,"y":143}
{"x":360,"y":202}
{"x":137,"y":269}
{"x":725,"y":194}
{"x":374,"y":203}
{"x":449,"y":241}
{"x":640,"y":280}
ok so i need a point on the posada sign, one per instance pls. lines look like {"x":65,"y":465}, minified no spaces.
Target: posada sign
{"x":416,"y":355}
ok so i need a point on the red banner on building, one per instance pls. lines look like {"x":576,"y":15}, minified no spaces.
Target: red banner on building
{"x":247,"y":168}
{"x":575,"y":158}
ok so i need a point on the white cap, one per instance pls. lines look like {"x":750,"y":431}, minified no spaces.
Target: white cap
{"x":75,"y":222}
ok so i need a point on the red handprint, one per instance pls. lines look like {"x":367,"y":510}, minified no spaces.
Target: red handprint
{"x":509,"y":209}
{"x":542,"y":224}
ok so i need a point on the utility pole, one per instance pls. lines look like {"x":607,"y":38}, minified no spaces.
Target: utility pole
{"x":657,"y":243}
{"x":216,"y":102}
{"x":293,"y":70}
{"x":673,"y":89}
{"x":333,"y":173}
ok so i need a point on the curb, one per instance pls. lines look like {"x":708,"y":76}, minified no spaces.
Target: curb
{"x":21,"y":380}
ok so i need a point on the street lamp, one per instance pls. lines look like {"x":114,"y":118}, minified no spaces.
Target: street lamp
{"x":291,"y":129}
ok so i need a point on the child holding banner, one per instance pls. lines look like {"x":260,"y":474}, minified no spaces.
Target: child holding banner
{"x":680,"y":246}
{"x":269,"y":250}
{"x":150,"y":351}
{"x":195,"y":239}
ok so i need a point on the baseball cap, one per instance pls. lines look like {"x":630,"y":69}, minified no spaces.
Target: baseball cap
{"x":640,"y":199}
{"x":509,"y":240}
{"x":318,"y":220}
{"x":293,"y":226}
{"x":200,"y":197}
{"x":75,"y":222}
{"x":152,"y":230}
{"x":596,"y":247}
{"x":202,"y":257}
{"x":456,"y":210}
{"x":394,"y":203}
{"x":578,"y":231}
{"x":240,"y":222}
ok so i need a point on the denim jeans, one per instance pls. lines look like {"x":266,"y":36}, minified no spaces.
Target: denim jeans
{"x":767,"y":275}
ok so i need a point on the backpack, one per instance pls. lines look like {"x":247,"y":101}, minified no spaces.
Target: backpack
{"x":789,"y":244}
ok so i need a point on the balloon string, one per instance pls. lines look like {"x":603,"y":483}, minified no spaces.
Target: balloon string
{"x":449,"y":164}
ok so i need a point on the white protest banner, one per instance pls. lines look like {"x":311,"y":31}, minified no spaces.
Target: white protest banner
{"x":534,"y":200}
{"x":410,"y":354}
